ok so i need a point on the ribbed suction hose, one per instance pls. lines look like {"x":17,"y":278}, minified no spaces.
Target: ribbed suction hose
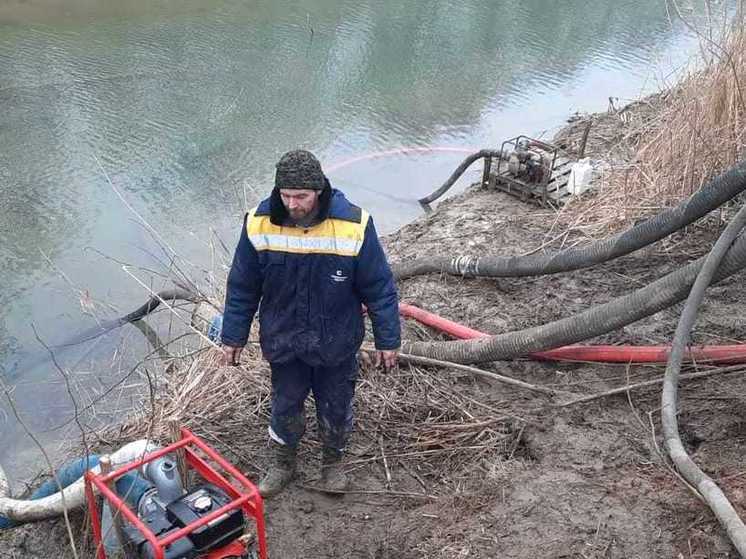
{"x":709,"y":490}
{"x":74,"y":495}
{"x":460,"y":170}
{"x":718,"y":191}
{"x":596,"y":321}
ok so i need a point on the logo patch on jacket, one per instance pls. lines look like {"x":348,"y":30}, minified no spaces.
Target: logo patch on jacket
{"x":338,"y":277}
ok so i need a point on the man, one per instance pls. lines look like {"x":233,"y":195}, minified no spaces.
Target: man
{"x":312,"y":259}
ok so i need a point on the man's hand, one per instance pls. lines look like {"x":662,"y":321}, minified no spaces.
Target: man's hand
{"x":387,"y":357}
{"x":231,"y":355}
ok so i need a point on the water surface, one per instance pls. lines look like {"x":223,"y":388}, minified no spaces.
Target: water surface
{"x":183,"y":108}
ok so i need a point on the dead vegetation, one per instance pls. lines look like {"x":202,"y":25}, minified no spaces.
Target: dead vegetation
{"x":447,"y":465}
{"x":417,"y":415}
{"x":660,"y":150}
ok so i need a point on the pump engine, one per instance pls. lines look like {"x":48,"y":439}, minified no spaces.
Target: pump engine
{"x":165,"y":518}
{"x":160,"y":519}
{"x":529,"y":165}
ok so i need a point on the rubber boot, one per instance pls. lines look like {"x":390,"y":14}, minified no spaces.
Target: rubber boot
{"x":281,"y":472}
{"x":333,"y":477}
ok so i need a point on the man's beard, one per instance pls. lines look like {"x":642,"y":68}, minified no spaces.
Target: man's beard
{"x":301,"y":216}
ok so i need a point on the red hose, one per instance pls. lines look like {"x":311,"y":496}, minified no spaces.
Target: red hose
{"x":597,"y":353}
{"x":397,"y":151}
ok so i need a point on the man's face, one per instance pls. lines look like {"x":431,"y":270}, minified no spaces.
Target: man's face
{"x":299,"y":203}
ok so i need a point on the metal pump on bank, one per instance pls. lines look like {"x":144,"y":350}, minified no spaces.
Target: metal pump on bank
{"x":159,"y":518}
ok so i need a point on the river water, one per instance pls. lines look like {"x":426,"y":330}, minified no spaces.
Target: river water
{"x":174,"y":113}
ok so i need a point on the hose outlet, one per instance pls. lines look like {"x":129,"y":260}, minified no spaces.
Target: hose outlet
{"x":165,"y":476}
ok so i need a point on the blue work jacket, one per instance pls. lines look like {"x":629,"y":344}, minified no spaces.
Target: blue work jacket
{"x":309,"y":284}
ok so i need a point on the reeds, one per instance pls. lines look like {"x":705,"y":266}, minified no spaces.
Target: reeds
{"x":679,"y":140}
{"x":412,"y":414}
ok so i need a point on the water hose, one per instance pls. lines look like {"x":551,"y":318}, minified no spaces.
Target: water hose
{"x":596,"y":321}
{"x":131,"y":484}
{"x":107,"y":325}
{"x":66,"y":475}
{"x":715,"y":193}
{"x":149,"y":306}
{"x":589,"y":353}
{"x":51,"y":506}
{"x":337,"y":165}
{"x":460,"y":170}
{"x":711,"y":493}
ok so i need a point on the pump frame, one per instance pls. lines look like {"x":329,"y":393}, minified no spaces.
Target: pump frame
{"x":243,"y":493}
{"x":550,"y":191}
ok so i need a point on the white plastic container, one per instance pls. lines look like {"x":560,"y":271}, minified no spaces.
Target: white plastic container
{"x":581,"y":174}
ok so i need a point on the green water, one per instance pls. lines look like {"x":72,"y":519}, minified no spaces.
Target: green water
{"x":186,"y":106}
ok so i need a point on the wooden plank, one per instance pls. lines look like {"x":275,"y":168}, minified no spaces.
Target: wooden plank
{"x":538,"y":192}
{"x":559,"y":195}
{"x":563,"y":173}
{"x":559,"y":182}
{"x":556,"y":189}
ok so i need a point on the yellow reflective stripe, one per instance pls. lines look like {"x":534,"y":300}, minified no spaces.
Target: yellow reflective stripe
{"x":249,"y":219}
{"x":318,"y":245}
{"x":364,"y":220}
{"x":331,"y":236}
{"x":332,"y":228}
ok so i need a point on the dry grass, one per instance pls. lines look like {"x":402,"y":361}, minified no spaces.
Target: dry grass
{"x":685,"y":137}
{"x":415,"y":414}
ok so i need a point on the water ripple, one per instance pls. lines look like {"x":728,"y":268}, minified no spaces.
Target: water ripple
{"x":188,"y":105}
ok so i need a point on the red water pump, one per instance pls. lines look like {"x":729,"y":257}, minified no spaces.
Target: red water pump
{"x":207,"y":520}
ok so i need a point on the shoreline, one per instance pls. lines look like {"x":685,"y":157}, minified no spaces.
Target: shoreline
{"x":587,"y":479}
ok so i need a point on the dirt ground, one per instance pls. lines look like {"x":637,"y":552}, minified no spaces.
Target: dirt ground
{"x":586,"y":481}
{"x":592,"y":482}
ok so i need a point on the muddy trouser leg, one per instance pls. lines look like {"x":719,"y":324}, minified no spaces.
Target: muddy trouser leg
{"x":333,"y":390}
{"x":291,"y":383}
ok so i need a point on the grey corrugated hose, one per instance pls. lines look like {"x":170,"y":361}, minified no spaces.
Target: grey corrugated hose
{"x":465,"y":164}
{"x":711,"y":196}
{"x":596,"y":321}
{"x":711,"y":493}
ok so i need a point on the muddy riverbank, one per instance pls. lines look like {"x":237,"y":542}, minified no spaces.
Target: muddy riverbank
{"x":447,"y":465}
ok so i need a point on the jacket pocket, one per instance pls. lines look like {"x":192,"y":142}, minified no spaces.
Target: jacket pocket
{"x":338,"y":280}
{"x":342,"y":335}
{"x":273,"y":270}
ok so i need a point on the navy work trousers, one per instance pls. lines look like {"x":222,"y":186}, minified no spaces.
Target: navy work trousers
{"x":333,"y":389}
